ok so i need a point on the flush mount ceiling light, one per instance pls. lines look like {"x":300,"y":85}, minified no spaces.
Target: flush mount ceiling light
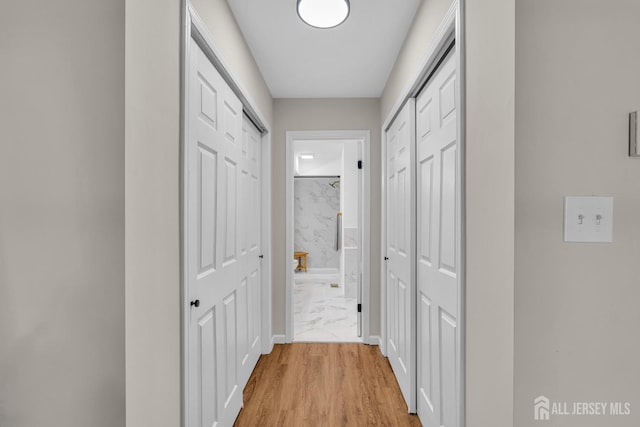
{"x":306,"y":156}
{"x":323,"y":13}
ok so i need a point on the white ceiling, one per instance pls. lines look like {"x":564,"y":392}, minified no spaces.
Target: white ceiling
{"x":327,"y":158}
{"x":349,"y":61}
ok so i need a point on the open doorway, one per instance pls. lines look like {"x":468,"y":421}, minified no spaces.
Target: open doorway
{"x":327,"y":274}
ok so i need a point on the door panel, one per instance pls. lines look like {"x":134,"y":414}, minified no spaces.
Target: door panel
{"x":447,"y":227}
{"x":253,"y":317}
{"x":425,"y":173}
{"x":392,"y":333}
{"x":207,"y":182}
{"x":425,"y":391}
{"x":208,"y":389}
{"x":404,"y":299}
{"x":438,"y":235}
{"x":448,"y":400}
{"x":244,"y":207}
{"x":400,"y":250}
{"x":230,"y":211}
{"x":243,"y":316}
{"x":229,"y":342}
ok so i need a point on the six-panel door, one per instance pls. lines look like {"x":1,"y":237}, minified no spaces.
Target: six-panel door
{"x":249,"y":251}
{"x":222,"y":247}
{"x":437,"y":251}
{"x":400,"y":251}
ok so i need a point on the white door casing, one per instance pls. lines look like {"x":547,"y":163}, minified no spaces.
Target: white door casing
{"x":400,"y":250}
{"x":214,"y":264}
{"x":438,"y":237}
{"x":341,"y":135}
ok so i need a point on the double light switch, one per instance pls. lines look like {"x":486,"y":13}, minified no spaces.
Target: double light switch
{"x":588,"y":219}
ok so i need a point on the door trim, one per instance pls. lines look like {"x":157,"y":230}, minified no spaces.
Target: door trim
{"x":460,"y":54}
{"x":450,"y":30}
{"x":365,"y":137}
{"x":195,"y":28}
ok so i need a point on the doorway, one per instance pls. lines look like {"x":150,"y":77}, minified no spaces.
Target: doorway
{"x":327,"y":229}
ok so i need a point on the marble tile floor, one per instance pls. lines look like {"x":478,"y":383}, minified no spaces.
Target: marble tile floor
{"x":322,"y":313}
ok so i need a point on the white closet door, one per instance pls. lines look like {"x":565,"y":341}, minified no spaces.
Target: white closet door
{"x":214,"y":155}
{"x":400,"y":205}
{"x":249,"y":216}
{"x":438,"y":237}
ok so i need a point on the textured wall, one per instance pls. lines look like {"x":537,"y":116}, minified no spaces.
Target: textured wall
{"x":316,"y":205}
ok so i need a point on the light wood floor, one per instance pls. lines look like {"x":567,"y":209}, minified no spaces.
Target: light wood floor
{"x":328,"y":385}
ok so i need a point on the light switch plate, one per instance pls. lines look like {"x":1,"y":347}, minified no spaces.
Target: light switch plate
{"x":588,"y":219}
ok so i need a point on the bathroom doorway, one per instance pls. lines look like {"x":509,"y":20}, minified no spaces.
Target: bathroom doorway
{"x":327,"y":271}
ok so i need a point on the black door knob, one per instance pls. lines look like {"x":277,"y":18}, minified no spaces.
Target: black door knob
{"x":195,"y":303}
{"x":386,"y":258}
{"x":260,"y":256}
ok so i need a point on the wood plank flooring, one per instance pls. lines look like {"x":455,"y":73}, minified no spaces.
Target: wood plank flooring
{"x":317,"y":384}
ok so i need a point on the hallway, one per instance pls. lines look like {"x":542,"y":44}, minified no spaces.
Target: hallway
{"x":107,"y":311}
{"x":323,"y":385}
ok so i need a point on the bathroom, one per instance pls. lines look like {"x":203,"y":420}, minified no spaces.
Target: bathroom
{"x":327,"y":235}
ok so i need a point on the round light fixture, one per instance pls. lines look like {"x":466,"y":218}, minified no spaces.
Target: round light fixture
{"x":323,"y":13}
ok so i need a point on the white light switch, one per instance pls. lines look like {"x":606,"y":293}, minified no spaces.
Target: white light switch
{"x":588,"y":219}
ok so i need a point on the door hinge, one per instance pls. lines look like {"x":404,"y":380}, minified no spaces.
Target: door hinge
{"x":359,"y":308}
{"x":359,"y":164}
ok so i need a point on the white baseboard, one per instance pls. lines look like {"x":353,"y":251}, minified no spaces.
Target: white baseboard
{"x":319,"y":271}
{"x":280,"y":339}
{"x":374,"y":340}
{"x":277,"y":339}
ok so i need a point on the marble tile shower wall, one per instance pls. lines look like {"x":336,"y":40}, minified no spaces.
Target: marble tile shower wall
{"x":351,"y":253}
{"x":316,"y":205}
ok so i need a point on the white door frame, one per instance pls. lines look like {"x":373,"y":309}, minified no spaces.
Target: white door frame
{"x":451,"y":30}
{"x":365,"y":137}
{"x":194,"y":28}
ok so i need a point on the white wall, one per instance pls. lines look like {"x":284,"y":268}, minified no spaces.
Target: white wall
{"x":152,"y":213}
{"x":489,"y":211}
{"x":322,"y":114}
{"x":577,"y":320}
{"x":62,"y":213}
